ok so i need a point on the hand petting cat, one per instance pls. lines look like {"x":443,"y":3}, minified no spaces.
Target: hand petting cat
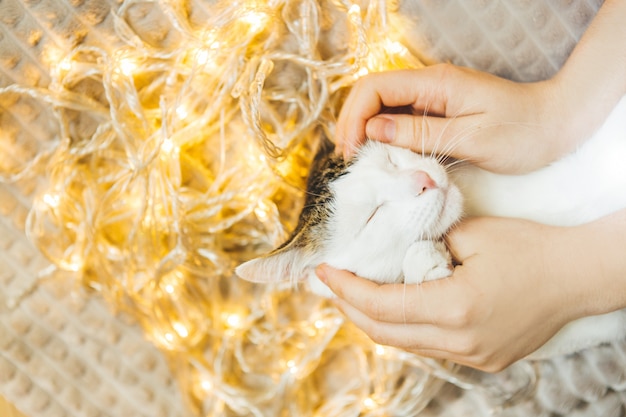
{"x":518,"y":282}
{"x":499,"y":125}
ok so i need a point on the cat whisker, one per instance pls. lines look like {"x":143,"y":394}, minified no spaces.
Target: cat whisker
{"x":314,"y":194}
{"x":314,"y":205}
{"x":373,"y":214}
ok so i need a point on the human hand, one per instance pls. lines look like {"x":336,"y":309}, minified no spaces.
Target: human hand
{"x":499,"y":125}
{"x":502,"y":303}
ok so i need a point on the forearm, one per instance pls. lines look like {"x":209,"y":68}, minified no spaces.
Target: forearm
{"x":592,"y":263}
{"x":594,"y":77}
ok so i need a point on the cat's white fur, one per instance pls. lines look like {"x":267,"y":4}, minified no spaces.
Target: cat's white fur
{"x":583,"y":186}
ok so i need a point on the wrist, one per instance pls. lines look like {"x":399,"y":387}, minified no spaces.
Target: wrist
{"x":590,"y":266}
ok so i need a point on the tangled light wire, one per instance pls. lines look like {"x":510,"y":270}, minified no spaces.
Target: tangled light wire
{"x":183,"y":152}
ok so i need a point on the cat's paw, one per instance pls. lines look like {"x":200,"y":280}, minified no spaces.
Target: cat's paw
{"x":318,"y":287}
{"x":438,"y":272}
{"x":426,"y":260}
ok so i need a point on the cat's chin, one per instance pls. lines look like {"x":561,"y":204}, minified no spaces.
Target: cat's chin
{"x":318,"y":287}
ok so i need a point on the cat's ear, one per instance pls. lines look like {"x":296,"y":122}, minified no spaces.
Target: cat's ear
{"x":288,"y":263}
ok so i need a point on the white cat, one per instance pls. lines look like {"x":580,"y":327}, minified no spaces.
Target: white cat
{"x":383,"y":215}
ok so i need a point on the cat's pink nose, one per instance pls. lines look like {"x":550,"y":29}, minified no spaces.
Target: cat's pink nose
{"x":423,"y":181}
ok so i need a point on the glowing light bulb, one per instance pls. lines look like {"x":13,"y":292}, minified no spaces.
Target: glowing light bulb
{"x":182,"y":112}
{"x":52,"y":55}
{"x":363,"y":71}
{"x":256,"y":20}
{"x":127,"y":66}
{"x":65,"y":65}
{"x":168,"y":147}
{"x":202,"y":56}
{"x":232,"y":320}
{"x":206,"y":385}
{"x":169,"y":289}
{"x":293,"y":368}
{"x":180,"y":329}
{"x":354,"y":9}
{"x":51,"y":200}
{"x":395,"y":48}
{"x":369,"y":403}
{"x":262,"y":211}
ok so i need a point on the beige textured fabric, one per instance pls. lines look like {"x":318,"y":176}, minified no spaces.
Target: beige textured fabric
{"x":68,"y":355}
{"x":62,"y":352}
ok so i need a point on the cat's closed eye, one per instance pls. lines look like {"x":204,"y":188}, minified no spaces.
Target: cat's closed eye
{"x":391,"y":161}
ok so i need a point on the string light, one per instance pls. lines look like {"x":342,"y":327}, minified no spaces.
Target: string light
{"x":127,"y":66}
{"x":183,"y":159}
{"x":51,"y":200}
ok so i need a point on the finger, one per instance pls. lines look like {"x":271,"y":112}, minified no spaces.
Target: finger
{"x":423,"y":339}
{"x":404,"y":336}
{"x":424,"y":134}
{"x":391,"y":303}
{"x":459,"y":245}
{"x":464,"y":239}
{"x":418,"y":88}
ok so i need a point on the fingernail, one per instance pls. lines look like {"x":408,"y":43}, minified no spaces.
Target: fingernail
{"x":384,"y":129}
{"x":321,"y":274}
{"x":390,"y":130}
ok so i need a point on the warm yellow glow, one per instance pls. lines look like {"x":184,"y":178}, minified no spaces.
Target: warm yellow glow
{"x":180,"y":329}
{"x":191,"y":158}
{"x":182,"y":112}
{"x":51,"y":199}
{"x":206,"y":385}
{"x":202,"y":56}
{"x":292,"y":366}
{"x":233,"y":320}
{"x":369,"y":403}
{"x":53,"y":56}
{"x":65,"y":65}
{"x":255,"y":19}
{"x":395,"y":48}
{"x":127,"y":66}
{"x":262,"y":211}
{"x":363,"y":71}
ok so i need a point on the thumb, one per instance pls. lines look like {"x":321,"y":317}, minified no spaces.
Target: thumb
{"x":424,"y":134}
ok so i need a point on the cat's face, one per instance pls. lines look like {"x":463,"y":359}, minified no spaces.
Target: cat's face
{"x":364,"y":215}
{"x":393,"y":193}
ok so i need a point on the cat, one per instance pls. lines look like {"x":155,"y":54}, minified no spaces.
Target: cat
{"x":383,"y":215}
